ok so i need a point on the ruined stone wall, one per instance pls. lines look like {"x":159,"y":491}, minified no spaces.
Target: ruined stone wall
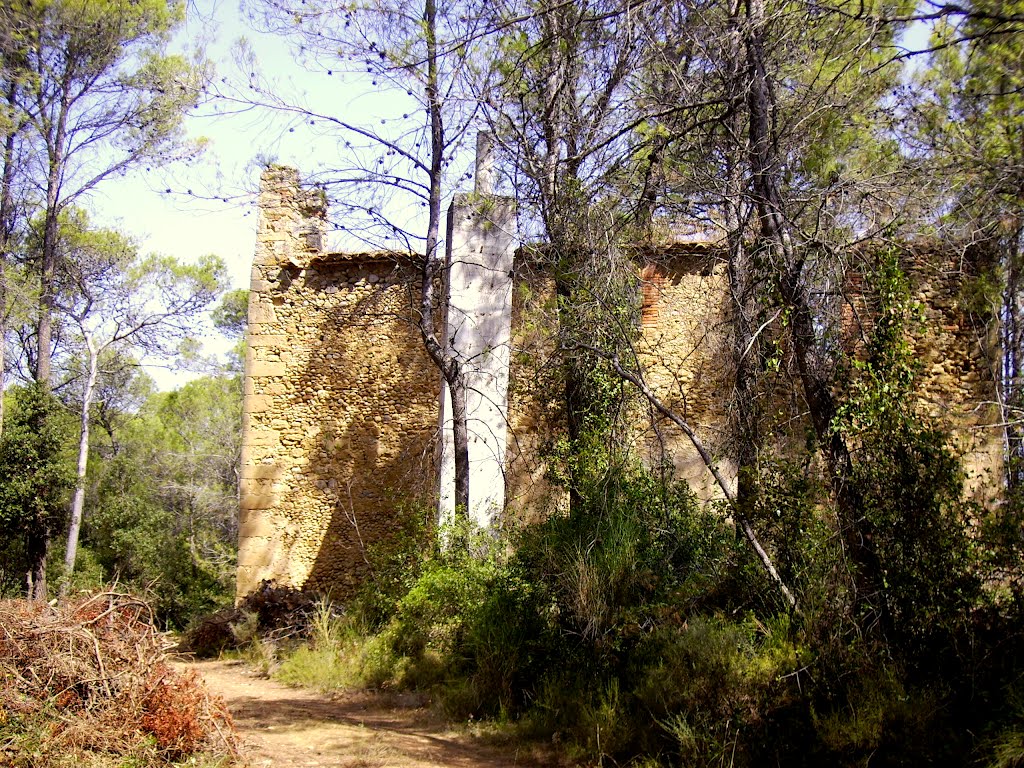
{"x":340,"y":401}
{"x":536,"y":407}
{"x":687,"y":352}
{"x":685,"y":349}
{"x":955,"y":349}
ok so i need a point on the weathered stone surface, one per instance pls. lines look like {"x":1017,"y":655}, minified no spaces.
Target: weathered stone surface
{"x":254,"y":556}
{"x":254,"y":437}
{"x":261,"y":312}
{"x":258,"y":501}
{"x":326,"y":369}
{"x":342,"y":401}
{"x":278,"y":341}
{"x":267,"y":368}
{"x":255,"y":471}
{"x":257,"y":526}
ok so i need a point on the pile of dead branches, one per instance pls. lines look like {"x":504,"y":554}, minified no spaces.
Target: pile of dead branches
{"x":91,"y":675}
{"x":270,"y":611}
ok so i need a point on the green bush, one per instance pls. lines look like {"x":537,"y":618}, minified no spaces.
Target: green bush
{"x":637,"y":625}
{"x":561,"y":625}
{"x":37,"y":476}
{"x":395,"y":565}
{"x":137,"y":540}
{"x":409,"y":629}
{"x":908,"y":484}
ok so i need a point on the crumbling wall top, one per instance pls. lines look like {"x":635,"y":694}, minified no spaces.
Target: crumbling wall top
{"x":292,"y":220}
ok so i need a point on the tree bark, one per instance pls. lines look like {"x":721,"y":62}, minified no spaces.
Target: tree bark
{"x":6,"y":233}
{"x":741,"y":273}
{"x":78,"y":500}
{"x":445,"y":357}
{"x":37,"y":547}
{"x":48,"y":266}
{"x":766,"y":168}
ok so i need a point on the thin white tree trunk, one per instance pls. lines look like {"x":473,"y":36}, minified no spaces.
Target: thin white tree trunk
{"x":78,"y":501}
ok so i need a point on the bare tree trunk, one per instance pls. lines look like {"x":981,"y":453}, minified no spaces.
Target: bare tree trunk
{"x":6,"y":234}
{"x":47,"y":269}
{"x":746,"y":346}
{"x":55,"y":135}
{"x":444,"y":356}
{"x":5,"y":249}
{"x":37,"y":547}
{"x":39,"y":540}
{"x":460,"y":439}
{"x":1009,"y":378}
{"x":765,"y":164}
{"x":78,"y":500}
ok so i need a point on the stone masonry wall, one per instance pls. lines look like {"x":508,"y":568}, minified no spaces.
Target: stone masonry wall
{"x":340,"y":403}
{"x":684,"y":347}
{"x":536,"y":414}
{"x":956,"y":387}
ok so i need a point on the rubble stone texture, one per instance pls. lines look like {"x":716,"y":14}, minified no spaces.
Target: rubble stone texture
{"x":341,"y":409}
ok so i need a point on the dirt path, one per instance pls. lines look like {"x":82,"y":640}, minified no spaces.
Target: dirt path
{"x":284,"y":727}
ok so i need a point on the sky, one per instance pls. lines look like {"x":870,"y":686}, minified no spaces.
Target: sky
{"x":207,"y":206}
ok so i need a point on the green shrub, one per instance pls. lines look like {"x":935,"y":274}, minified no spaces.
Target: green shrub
{"x":37,"y":476}
{"x":137,"y":541}
{"x":908,"y":485}
{"x":507,"y":647}
{"x":586,"y":594}
{"x":633,"y":549}
{"x":1007,"y":749}
{"x":451,"y":585}
{"x":395,"y":564}
{"x":710,"y":683}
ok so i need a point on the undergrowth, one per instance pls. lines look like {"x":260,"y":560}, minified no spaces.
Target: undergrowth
{"x":638,"y":629}
{"x":87,"y":683}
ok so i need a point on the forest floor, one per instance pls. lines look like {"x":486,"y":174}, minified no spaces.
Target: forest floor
{"x":283,"y":727}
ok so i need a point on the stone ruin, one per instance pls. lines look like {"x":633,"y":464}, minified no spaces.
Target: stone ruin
{"x":344,"y":413}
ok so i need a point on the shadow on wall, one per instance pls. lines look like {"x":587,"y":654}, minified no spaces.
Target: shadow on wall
{"x":367,"y":393}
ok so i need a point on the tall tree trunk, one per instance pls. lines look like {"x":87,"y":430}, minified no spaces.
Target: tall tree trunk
{"x":56,"y":136}
{"x":47,"y":269}
{"x":445,"y":357}
{"x":6,"y":235}
{"x":78,"y":500}
{"x":37,"y":547}
{"x":573,"y":389}
{"x":1011,"y":321}
{"x":765,"y":165}
{"x":742,"y":294}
